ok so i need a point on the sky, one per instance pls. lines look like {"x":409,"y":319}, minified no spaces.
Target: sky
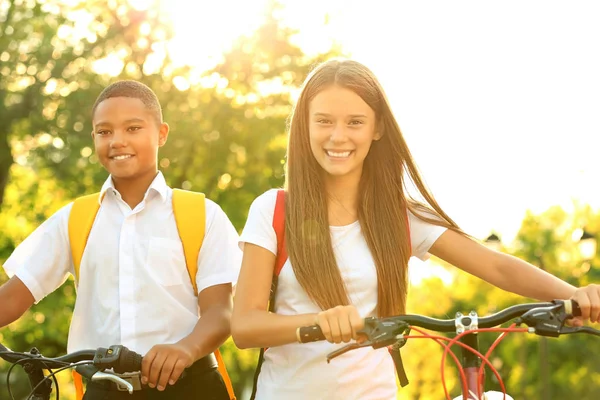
{"x":498,"y":100}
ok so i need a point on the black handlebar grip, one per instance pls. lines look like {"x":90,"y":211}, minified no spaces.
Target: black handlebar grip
{"x":309,"y":334}
{"x":129,"y":361}
{"x":576,"y":311}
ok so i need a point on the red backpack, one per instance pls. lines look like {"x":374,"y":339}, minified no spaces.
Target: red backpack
{"x":281,"y":258}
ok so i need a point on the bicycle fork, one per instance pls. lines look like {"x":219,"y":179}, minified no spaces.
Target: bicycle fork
{"x":471,"y":362}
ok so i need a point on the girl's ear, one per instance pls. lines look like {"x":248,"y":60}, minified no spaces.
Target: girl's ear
{"x":378,"y":131}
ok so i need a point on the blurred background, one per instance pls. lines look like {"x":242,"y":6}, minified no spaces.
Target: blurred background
{"x":498,"y":101}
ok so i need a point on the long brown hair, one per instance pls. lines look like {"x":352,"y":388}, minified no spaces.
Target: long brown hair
{"x":383,"y":203}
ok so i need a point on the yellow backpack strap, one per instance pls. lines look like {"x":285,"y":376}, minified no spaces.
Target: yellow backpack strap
{"x":190,"y":217}
{"x":78,"y":382}
{"x":82,"y":216}
{"x":223,"y":370}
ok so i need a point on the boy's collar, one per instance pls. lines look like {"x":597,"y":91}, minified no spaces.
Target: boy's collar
{"x":159,"y":185}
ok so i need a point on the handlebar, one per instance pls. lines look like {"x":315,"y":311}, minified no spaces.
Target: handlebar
{"x":15,"y":357}
{"x":544,"y":319}
{"x":118,"y":358}
{"x":314,"y":333}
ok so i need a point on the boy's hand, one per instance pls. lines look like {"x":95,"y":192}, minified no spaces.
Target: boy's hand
{"x":164,"y":364}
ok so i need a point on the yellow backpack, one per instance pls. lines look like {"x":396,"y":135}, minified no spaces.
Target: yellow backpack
{"x":189,"y":211}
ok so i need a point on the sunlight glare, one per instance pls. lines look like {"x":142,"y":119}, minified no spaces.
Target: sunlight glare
{"x":143,"y":4}
{"x":318,"y":27}
{"x":421,"y":271}
{"x":111,"y":65}
{"x":204,"y":30}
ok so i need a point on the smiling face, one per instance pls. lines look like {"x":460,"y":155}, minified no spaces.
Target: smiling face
{"x":342,"y":128}
{"x":127,"y":137}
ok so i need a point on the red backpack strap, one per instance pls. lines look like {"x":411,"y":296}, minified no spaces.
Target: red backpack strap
{"x":279,"y":227}
{"x":281,"y":258}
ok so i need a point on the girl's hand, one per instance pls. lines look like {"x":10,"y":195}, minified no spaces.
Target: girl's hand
{"x":339,"y":324}
{"x":588,"y":298}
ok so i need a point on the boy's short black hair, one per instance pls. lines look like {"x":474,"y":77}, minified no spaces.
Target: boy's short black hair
{"x":135,"y":90}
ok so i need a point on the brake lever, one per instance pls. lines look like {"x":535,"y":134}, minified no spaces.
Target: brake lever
{"x":384,"y":332}
{"x":347,"y":348}
{"x":379,"y":333}
{"x":570,"y":330}
{"x":95,"y":373}
{"x":579,"y":329}
{"x":105,"y":376}
{"x":547,"y":321}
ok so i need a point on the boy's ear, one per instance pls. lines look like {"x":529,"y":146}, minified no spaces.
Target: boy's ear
{"x":163,"y":134}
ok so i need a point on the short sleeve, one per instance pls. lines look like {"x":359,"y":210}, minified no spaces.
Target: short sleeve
{"x":259,"y":224}
{"x":423,"y":235}
{"x":43,"y":260}
{"x":220,"y":258}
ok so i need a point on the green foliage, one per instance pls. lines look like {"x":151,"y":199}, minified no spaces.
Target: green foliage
{"x":228,"y":128}
{"x":29,"y":200}
{"x":543,"y":240}
{"x":228,"y":139}
{"x":49,"y":83}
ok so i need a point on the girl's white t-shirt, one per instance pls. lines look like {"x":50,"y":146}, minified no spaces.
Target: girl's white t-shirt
{"x":300,"y":371}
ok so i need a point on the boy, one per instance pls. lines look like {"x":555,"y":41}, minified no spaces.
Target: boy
{"x":133,"y":286}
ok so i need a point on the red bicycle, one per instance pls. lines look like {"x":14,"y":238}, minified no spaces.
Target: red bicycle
{"x":543,"y":319}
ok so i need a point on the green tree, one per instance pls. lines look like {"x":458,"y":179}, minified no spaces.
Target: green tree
{"x":547,"y":240}
{"x":30,"y":198}
{"x":227,"y":126}
{"x":47,"y":61}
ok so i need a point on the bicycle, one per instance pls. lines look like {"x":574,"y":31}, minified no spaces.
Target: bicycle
{"x":91,"y":364}
{"x":543,"y":319}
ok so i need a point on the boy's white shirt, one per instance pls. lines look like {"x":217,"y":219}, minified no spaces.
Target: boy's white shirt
{"x":300,"y":371}
{"x":134,"y":288}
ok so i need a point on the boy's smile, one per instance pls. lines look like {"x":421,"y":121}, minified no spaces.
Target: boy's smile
{"x":121,"y":157}
{"x":127,"y":137}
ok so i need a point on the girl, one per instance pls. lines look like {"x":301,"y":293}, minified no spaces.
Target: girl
{"x":350,"y":228}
